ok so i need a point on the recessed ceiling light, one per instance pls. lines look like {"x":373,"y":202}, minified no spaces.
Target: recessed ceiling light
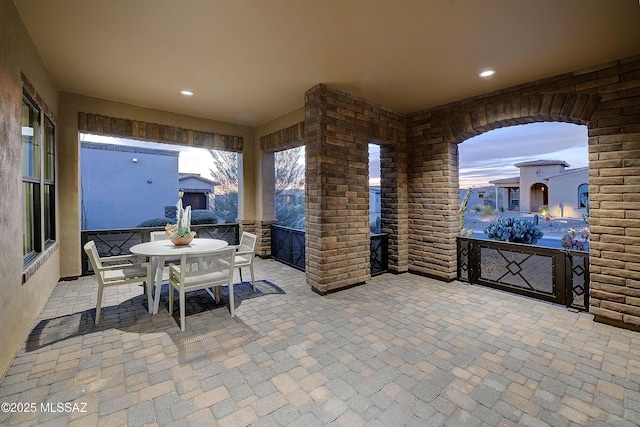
{"x":186,"y":92}
{"x":487,"y":73}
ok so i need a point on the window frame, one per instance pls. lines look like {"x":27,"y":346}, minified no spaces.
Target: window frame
{"x":580,"y":193}
{"x":38,"y":159}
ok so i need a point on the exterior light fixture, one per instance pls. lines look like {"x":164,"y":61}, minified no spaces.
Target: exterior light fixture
{"x":134,"y":160}
{"x":487,"y":73}
{"x":186,"y":92}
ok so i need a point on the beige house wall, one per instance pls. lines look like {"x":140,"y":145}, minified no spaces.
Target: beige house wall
{"x":20,"y":303}
{"x":564,"y":189}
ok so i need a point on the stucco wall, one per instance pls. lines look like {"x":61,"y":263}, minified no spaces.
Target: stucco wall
{"x":20,"y":304}
{"x":564,"y":189}
{"x":120,"y":193}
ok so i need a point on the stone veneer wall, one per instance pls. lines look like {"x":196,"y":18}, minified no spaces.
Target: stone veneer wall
{"x":605,"y":98}
{"x":338,"y":129}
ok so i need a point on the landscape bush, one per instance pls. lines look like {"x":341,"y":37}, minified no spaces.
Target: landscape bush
{"x":156,"y":222}
{"x":514,"y":230}
{"x":203,"y":216}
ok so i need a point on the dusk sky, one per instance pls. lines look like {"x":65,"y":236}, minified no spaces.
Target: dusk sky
{"x":491,"y":156}
{"x":483,"y":158}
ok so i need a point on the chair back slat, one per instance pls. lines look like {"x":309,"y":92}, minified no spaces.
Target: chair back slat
{"x":248,"y":242}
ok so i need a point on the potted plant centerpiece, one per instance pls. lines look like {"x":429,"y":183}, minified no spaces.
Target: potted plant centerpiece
{"x":180,"y":233}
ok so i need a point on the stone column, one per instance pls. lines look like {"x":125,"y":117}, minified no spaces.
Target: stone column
{"x":337,"y":196}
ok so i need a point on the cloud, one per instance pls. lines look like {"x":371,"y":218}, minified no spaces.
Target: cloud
{"x":492,"y":155}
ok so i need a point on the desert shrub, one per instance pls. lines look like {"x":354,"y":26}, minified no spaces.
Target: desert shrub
{"x":576,"y":240}
{"x":514,"y":230}
{"x":156,"y":222}
{"x":487,"y":211}
{"x":203,"y":216}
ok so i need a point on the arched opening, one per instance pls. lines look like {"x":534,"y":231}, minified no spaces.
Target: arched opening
{"x":522,"y":170}
{"x":539,"y":198}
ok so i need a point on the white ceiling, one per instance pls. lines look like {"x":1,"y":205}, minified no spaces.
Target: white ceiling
{"x":250,"y":61}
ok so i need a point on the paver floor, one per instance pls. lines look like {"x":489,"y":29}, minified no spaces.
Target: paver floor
{"x":401,"y":350}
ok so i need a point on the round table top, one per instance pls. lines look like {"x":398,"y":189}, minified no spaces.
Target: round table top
{"x":166,"y":248}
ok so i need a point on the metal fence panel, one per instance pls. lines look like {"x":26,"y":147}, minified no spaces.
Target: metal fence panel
{"x":119,"y":241}
{"x":288,"y":247}
{"x":549,"y":274}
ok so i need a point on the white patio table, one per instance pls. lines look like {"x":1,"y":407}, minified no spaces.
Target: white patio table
{"x":160,"y":249}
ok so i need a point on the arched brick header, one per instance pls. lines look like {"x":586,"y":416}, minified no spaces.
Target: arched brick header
{"x":473,"y":121}
{"x":133,"y":129}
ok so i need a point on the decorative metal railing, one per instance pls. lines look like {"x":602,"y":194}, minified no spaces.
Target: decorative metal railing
{"x":119,"y":241}
{"x":379,"y":255}
{"x":555,"y":275}
{"x":288,"y":247}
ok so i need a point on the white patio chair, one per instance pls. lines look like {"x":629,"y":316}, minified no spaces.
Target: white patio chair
{"x":245,"y":252}
{"x":158,"y":235}
{"x":118,"y":274}
{"x":201,"y":271}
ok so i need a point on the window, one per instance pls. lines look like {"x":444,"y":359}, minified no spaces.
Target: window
{"x":583,"y":195}
{"x":38,"y":181}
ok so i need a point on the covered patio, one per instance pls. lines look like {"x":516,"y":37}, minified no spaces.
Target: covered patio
{"x":401,"y":350}
{"x":332,"y":344}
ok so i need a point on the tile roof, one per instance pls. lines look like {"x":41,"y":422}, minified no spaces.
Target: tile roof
{"x":542,"y":163}
{"x":511,"y":180}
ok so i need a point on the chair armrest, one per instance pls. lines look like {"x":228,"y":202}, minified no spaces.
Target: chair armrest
{"x":244,"y":252}
{"x":131,"y":257}
{"x":123,"y":266}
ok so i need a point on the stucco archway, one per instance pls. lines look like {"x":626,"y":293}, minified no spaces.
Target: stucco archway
{"x":539,"y":197}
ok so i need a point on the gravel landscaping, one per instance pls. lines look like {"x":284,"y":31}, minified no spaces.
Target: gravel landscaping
{"x":553,"y":227}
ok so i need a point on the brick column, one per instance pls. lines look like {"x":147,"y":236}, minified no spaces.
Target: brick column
{"x":338,"y":130}
{"x":337,"y":196}
{"x":394,"y":198}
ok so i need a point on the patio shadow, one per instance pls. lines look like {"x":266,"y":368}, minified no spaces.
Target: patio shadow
{"x":133,"y":314}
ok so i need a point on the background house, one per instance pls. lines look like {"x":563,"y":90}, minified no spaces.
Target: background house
{"x":375,"y":208}
{"x":123,"y":186}
{"x":545,"y":185}
{"x":198,"y":191}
